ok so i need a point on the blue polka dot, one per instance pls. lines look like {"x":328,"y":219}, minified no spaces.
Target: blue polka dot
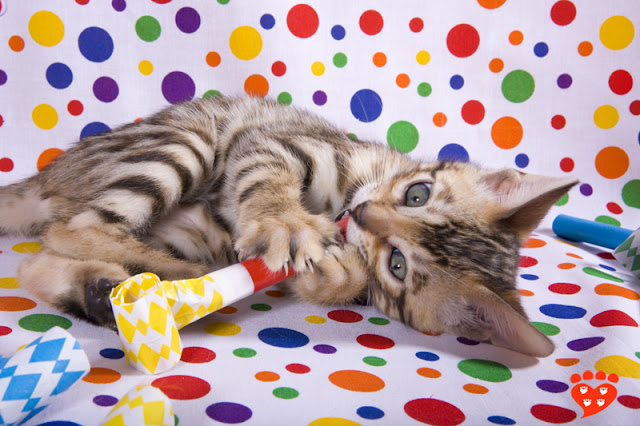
{"x":607,"y":267}
{"x":95,"y":44}
{"x":522,"y":160}
{"x":453,"y":152}
{"x":427,"y":356}
{"x":267,"y":21}
{"x":112,"y":353}
{"x":366,"y":105}
{"x":501,"y":420}
{"x":93,"y":129}
{"x":338,"y":32}
{"x":57,"y":422}
{"x":456,"y":82}
{"x":59,"y":75}
{"x":283,"y":337}
{"x":370,"y":413}
{"x":541,"y":49}
{"x":529,"y":277}
{"x":563,"y":311}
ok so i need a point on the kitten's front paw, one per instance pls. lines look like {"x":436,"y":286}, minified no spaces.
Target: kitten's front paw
{"x":292,"y":240}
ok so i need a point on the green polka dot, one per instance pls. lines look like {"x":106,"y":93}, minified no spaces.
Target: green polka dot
{"x":285,"y":393}
{"x":600,"y":274}
{"x":339,"y":59}
{"x":211,"y":94}
{"x":374,"y":361}
{"x":563,"y":200}
{"x":631,"y":193}
{"x":262,"y":307}
{"x":224,"y":1}
{"x":518,"y":86}
{"x":637,"y":354}
{"x":547,"y":329}
{"x":148,"y":28}
{"x":352,"y":136}
{"x":608,"y":220}
{"x":424,"y":89}
{"x":285,"y":98}
{"x":482,"y":369}
{"x":43,"y":322}
{"x":379,"y":321}
{"x":244,"y":353}
{"x":403,"y":136}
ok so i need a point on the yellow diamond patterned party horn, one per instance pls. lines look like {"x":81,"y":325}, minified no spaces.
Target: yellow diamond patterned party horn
{"x":142,"y":405}
{"x":149,"y":312}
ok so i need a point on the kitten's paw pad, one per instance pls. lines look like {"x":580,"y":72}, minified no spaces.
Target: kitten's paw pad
{"x":98,"y":304}
{"x":297,"y":241}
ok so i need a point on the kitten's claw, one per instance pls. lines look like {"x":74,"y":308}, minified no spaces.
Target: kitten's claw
{"x":309,"y":264}
{"x":286,"y":266}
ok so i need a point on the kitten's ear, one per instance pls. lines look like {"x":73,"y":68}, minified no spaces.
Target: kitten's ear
{"x":524,"y":199}
{"x":489,"y":316}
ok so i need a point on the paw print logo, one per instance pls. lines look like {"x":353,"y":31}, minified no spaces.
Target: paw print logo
{"x":594,"y":400}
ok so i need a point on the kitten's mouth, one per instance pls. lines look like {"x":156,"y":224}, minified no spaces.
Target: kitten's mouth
{"x":342,"y":215}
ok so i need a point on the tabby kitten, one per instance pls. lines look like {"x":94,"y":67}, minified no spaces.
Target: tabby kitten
{"x":432,"y":244}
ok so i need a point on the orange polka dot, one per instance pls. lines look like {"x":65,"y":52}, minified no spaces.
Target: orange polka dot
{"x":357,"y":381}
{"x":16,"y":43}
{"x":506,"y":132}
{"x":429,"y":372}
{"x":257,"y":86}
{"x":491,"y":4}
{"x":575,"y":256}
{"x":585,"y":48}
{"x":431,"y":334}
{"x":612,"y":162}
{"x":47,"y":156}
{"x":616,"y":290}
{"x":473,"y":388}
{"x":379,"y":59}
{"x":496,"y":65}
{"x":534,"y":243}
{"x":101,"y":375}
{"x":526,"y":293}
{"x":267,"y":376}
{"x":15,"y":304}
{"x":439,"y":119}
{"x":274,"y":293}
{"x":567,"y":265}
{"x":515,"y":37}
{"x":213,"y":59}
{"x":403,"y":80}
{"x":137,"y":120}
{"x":567,"y":362}
{"x":227,"y":310}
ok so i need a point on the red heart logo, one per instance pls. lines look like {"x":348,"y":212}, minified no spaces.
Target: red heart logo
{"x":593,"y":400}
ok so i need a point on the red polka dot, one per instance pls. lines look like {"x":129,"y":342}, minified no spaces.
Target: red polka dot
{"x":473,"y":112}
{"x":5,"y":330}
{"x":1,"y":120}
{"x":526,"y":261}
{"x":197,"y":355}
{"x":563,"y":12}
{"x":614,"y":208}
{"x":463,"y":40}
{"x":83,"y":2}
{"x":434,"y":412}
{"x":182,"y":387}
{"x":620,"y":82}
{"x":371,"y":22}
{"x":6,"y":164}
{"x":629,"y":401}
{"x":75,"y":107}
{"x":297,"y":368}
{"x":558,"y":122}
{"x":160,"y":1}
{"x":564,"y":288}
{"x":278,"y":68}
{"x":302,"y":21}
{"x":373,"y":341}
{"x":416,"y":25}
{"x":553,"y":414}
{"x":566,"y":164}
{"x":613,"y":317}
{"x":634,"y":108}
{"x":607,"y":255}
{"x":345,"y":315}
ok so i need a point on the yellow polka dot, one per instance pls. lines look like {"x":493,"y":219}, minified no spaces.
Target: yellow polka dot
{"x":317,"y":68}
{"x":222,"y":329}
{"x":44,"y":116}
{"x":245,"y":43}
{"x":606,"y":117}
{"x":423,"y":57}
{"x":617,"y":32}
{"x":9,"y":283}
{"x":333,"y":421}
{"x":46,"y":28}
{"x":29,"y":247}
{"x":620,"y":365}
{"x":314,"y":319}
{"x":145,"y":67}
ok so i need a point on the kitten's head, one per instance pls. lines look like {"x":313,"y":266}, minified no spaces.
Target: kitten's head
{"x":443,"y":241}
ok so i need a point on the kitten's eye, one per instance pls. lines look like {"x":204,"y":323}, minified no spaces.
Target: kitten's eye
{"x":417,"y":195}
{"x":397,"y":264}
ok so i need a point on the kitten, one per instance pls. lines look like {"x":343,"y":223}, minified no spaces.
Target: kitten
{"x":432,"y":244}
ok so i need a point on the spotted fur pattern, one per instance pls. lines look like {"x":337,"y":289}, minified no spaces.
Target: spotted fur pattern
{"x":217,"y":180}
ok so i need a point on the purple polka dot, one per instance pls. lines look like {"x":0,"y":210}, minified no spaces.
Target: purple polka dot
{"x":564,"y":81}
{"x":3,"y":77}
{"x":177,"y":87}
{"x":105,"y":400}
{"x":586,"y":189}
{"x":119,"y":5}
{"x":319,"y":98}
{"x":188,"y":20}
{"x":105,"y":89}
{"x":466,"y":341}
{"x":325,"y":349}
{"x":552,"y":386}
{"x":580,"y":345}
{"x":229,"y":412}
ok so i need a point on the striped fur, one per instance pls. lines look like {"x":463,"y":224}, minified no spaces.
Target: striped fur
{"x":211,"y":181}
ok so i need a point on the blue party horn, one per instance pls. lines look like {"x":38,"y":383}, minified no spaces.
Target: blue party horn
{"x":588,"y":231}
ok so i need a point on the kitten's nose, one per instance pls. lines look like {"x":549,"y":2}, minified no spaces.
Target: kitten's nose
{"x":357,"y":213}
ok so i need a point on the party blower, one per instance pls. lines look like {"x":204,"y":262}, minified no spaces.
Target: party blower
{"x":149,"y":312}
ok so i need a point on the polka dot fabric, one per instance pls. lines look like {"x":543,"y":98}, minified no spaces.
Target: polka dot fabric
{"x":548,"y":88}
